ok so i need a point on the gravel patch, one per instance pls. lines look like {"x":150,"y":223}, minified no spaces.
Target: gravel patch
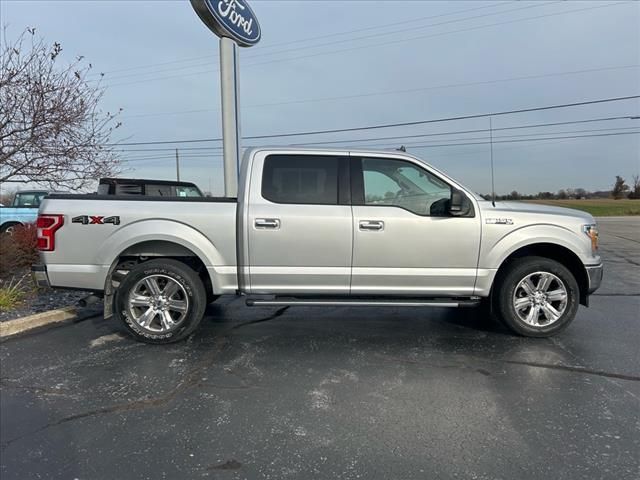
{"x":42,"y":301}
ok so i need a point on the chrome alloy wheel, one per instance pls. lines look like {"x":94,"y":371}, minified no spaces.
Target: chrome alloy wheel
{"x":158,"y":303}
{"x":540,"y":299}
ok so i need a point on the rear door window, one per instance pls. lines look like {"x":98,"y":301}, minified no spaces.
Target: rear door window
{"x":301,"y":179}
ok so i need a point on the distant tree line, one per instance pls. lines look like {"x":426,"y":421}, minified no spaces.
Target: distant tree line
{"x":619,"y":190}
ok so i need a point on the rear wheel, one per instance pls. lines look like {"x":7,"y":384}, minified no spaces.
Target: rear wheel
{"x":537,"y":297}
{"x":161,"y":301}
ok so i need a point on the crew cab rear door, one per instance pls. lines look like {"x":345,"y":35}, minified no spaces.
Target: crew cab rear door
{"x":299,"y":225}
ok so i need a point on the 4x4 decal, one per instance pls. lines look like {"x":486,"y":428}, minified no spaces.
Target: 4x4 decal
{"x":95,"y":220}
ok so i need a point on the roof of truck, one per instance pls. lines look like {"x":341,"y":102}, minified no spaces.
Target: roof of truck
{"x":320,"y":148}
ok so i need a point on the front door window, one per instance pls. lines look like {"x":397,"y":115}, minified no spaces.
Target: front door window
{"x":405,"y":185}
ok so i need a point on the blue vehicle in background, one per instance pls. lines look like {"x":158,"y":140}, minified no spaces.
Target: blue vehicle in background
{"x":23,"y":210}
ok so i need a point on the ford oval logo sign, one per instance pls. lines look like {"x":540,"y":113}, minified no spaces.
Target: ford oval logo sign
{"x":229,"y":18}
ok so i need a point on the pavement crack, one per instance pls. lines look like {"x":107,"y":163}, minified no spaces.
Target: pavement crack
{"x":14,"y":384}
{"x":576,"y":369}
{"x":628,"y":260}
{"x":616,"y":294}
{"x":624,"y":238}
{"x":551,"y":366}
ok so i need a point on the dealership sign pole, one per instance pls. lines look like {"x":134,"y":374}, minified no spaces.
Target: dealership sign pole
{"x":236,"y":25}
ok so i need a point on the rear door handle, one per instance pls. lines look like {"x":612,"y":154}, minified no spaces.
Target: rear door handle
{"x":371,"y":225}
{"x":267,"y":223}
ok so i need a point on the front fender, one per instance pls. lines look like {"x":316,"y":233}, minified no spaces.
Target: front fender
{"x":498,"y":245}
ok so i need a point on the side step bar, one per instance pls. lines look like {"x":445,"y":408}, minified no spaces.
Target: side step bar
{"x":362,"y":302}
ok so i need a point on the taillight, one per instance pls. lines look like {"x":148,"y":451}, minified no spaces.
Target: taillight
{"x":47,"y":226}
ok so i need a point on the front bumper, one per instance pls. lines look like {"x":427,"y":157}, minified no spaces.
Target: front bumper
{"x":39,"y":274}
{"x":594,"y":272}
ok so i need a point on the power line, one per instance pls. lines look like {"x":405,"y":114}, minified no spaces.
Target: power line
{"x":395,"y":92}
{"x":389,"y":125}
{"x":396,"y":137}
{"x":171,"y":157}
{"x":262,"y":47}
{"x":604,"y":119}
{"x":446,"y":119}
{"x":529,"y":139}
{"x":539,"y":134}
{"x":439,"y":34}
{"x":378,"y":34}
{"x":400,"y":137}
{"x":256,"y":53}
{"x":377,"y":44}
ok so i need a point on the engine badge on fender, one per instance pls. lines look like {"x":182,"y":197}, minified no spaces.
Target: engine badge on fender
{"x":499,"y":221}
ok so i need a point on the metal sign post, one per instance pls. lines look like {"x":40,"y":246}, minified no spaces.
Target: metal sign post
{"x":230,"y":99}
{"x":236,"y":25}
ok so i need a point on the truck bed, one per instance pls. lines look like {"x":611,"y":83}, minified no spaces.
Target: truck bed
{"x":99,"y":228}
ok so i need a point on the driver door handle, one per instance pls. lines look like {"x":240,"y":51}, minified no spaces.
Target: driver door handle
{"x":267,"y":223}
{"x":371,"y":225}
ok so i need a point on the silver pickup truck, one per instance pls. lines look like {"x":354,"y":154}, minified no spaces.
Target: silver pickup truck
{"x":321,"y":227}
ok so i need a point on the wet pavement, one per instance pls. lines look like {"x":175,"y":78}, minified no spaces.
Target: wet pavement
{"x":335,"y":393}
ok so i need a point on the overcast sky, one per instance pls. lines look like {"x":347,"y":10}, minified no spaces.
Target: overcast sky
{"x":320,"y":65}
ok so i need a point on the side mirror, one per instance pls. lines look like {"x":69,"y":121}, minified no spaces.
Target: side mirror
{"x":459,"y":204}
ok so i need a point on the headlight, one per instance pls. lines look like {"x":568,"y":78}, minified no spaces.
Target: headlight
{"x":591,"y":231}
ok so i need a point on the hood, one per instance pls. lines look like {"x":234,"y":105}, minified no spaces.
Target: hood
{"x":534,"y":208}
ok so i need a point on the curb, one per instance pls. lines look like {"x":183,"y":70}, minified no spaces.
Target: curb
{"x":19,"y":325}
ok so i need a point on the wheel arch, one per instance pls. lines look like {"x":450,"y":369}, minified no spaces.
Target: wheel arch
{"x":146,"y":250}
{"x":8,"y":224}
{"x":553,"y":251}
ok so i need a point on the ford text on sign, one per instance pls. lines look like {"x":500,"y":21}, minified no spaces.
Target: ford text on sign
{"x":229,"y":18}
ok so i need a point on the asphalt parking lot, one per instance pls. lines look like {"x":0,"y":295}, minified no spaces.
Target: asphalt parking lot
{"x":335,"y":393}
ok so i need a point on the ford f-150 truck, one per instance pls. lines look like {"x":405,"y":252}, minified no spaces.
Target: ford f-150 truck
{"x":321,"y":227}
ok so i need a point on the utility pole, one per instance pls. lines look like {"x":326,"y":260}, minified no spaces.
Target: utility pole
{"x":177,"y":166}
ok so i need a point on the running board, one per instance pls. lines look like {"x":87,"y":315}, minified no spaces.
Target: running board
{"x":337,"y":302}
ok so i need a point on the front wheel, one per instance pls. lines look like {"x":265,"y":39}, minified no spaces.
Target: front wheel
{"x":537,"y":297}
{"x":160,"y":301}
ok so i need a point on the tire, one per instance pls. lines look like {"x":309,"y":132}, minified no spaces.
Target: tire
{"x":160,"y":301}
{"x":537,"y":297}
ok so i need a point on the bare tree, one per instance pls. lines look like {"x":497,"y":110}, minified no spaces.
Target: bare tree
{"x":52,"y":131}
{"x":635,"y":187}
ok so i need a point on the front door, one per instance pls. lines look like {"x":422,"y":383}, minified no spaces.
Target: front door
{"x":405,"y":240}
{"x":299,"y":225}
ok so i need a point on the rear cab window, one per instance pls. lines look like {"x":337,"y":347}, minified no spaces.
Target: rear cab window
{"x":29,"y":199}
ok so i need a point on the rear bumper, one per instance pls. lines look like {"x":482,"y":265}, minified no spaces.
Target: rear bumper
{"x":39,"y":274}
{"x":70,"y":276}
{"x":595,"y":273}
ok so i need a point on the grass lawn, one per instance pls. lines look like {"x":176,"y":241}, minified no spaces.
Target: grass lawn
{"x":598,"y":207}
